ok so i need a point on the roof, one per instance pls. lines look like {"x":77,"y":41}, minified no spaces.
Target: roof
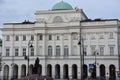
{"x":62,"y":6}
{"x":25,"y":22}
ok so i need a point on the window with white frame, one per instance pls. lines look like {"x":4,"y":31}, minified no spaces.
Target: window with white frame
{"x":24,"y":37}
{"x":58,"y":37}
{"x":49,"y":50}
{"x":57,"y":50}
{"x":16,"y":38}
{"x":111,"y":50}
{"x":7,"y":37}
{"x":32,"y":51}
{"x":66,"y":50}
{"x":16,"y":51}
{"x":24,"y":51}
{"x":7,"y":52}
{"x":101,"y":50}
{"x":40,"y":37}
{"x":32,"y":37}
{"x":85,"y":50}
{"x":92,"y":50}
{"x":49,"y":37}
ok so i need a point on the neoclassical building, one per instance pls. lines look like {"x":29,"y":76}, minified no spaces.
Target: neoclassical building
{"x":54,"y":37}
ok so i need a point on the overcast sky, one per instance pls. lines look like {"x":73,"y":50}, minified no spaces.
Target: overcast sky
{"x":20,"y":10}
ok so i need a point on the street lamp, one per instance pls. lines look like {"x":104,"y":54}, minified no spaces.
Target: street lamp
{"x":96,"y":53}
{"x":81,"y":59}
{"x":27,"y":57}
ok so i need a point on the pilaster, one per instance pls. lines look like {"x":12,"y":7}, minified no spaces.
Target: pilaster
{"x":70,"y":44}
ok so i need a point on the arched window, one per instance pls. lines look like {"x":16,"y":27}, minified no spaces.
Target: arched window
{"x":23,"y":71}
{"x":6,"y":72}
{"x":74,"y":71}
{"x":49,"y":50}
{"x":66,"y":50}
{"x":112,"y":72}
{"x":57,"y":50}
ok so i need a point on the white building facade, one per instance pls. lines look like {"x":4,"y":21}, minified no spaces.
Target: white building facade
{"x":55,"y":35}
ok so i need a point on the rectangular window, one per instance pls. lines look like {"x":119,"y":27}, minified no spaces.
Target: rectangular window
{"x":7,"y":52}
{"x":65,"y":51}
{"x":32,"y":51}
{"x":85,"y":51}
{"x":58,"y":37}
{"x":92,"y":50}
{"x":16,"y":51}
{"x":50,"y":37}
{"x":111,"y":50}
{"x":7,"y":38}
{"x":16,"y":38}
{"x":24,"y":51}
{"x":40,"y":37}
{"x":24,"y":37}
{"x":32,"y":37}
{"x":101,"y":50}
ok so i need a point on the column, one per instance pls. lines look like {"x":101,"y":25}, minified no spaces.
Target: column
{"x":43,"y":71}
{"x":61,"y":72}
{"x":12,"y":45}
{"x":97,"y":41}
{"x":11,"y":72}
{"x":54,"y":46}
{"x":20,"y":45}
{"x":106,"y":44}
{"x":70,"y":71}
{"x":79,"y":72}
{"x":53,"y":71}
{"x":44,"y":44}
{"x":89,"y":49}
{"x":35,"y":45}
{"x":3,"y":46}
{"x":62,"y":46}
{"x":19,"y":71}
{"x":97,"y":70}
{"x":70,"y":44}
{"x":107,"y":73}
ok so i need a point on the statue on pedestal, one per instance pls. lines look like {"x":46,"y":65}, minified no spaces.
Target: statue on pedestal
{"x":36,"y":66}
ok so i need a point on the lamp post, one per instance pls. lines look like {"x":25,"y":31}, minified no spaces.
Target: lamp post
{"x":27,"y":57}
{"x":81,"y":52}
{"x":96,"y":53}
{"x":82,"y":60}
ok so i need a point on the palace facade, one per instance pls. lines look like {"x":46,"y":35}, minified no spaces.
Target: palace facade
{"x":54,"y":37}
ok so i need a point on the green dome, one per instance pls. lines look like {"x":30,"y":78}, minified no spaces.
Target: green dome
{"x":62,"y":6}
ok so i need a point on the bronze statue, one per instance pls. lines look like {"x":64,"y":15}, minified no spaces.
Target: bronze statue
{"x":35,"y":67}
